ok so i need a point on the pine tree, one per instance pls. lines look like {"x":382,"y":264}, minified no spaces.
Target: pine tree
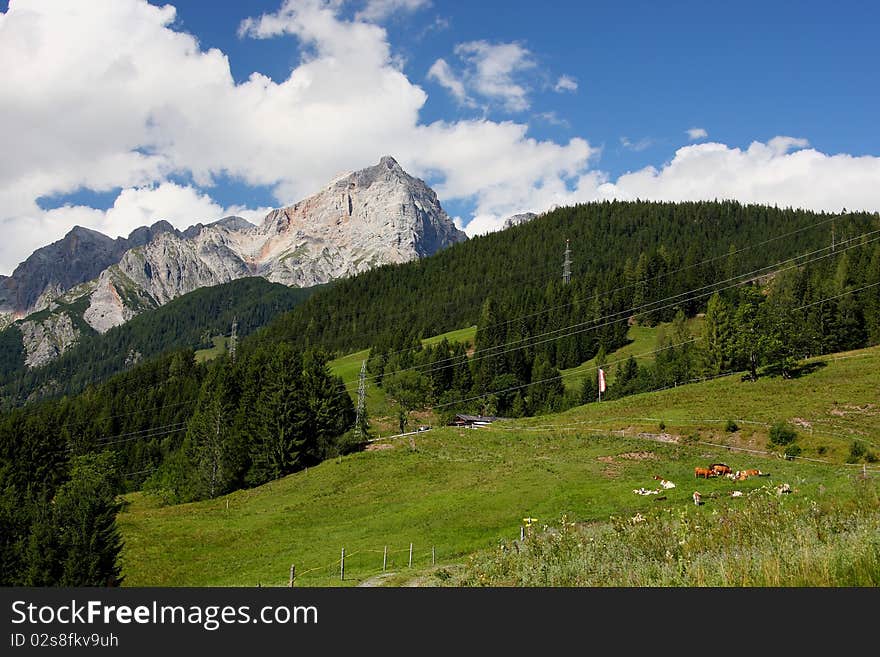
{"x":84,"y":516}
{"x":213,"y":442}
{"x":717,"y":346}
{"x":280,"y":442}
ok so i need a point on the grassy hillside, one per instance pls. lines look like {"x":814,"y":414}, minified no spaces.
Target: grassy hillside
{"x":220,"y":346}
{"x":642,"y":340}
{"x":462,"y":491}
{"x":832,"y":404}
{"x":382,"y":411}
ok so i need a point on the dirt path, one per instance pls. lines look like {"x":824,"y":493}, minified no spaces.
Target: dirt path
{"x":377,"y":580}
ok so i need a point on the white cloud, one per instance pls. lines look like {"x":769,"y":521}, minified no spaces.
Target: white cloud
{"x":441,"y":73}
{"x":110,"y":94}
{"x":439,"y":24}
{"x":553,"y":119}
{"x":141,"y":100}
{"x":493,"y":69}
{"x":378,"y":10}
{"x":696,"y":133}
{"x":565,"y":83}
{"x":780,"y":172}
{"x":637,"y":146}
{"x":491,"y":72}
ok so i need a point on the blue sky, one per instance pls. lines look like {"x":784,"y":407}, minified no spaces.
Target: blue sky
{"x":122,"y":112}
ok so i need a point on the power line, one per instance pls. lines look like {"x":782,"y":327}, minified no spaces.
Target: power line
{"x":530,"y":274}
{"x":233,"y":339}
{"x":362,"y":400}
{"x":141,"y":410}
{"x":150,"y":436}
{"x":560,"y":376}
{"x":141,"y":433}
{"x":452,"y":361}
{"x":621,"y":288}
{"x":669,"y":273}
{"x":581,"y":372}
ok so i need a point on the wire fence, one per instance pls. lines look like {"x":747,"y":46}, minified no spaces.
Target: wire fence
{"x":360,"y":565}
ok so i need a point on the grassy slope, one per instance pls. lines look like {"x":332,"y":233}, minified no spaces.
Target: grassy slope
{"x":220,"y":347}
{"x":829,"y":407}
{"x":642,"y":340}
{"x":464,"y":490}
{"x":383,"y":413}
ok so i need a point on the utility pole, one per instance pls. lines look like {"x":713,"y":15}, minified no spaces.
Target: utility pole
{"x":566,"y":265}
{"x":362,"y":399}
{"x":233,"y":338}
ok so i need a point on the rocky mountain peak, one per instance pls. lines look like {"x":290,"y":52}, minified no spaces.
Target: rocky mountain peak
{"x":517,"y":219}
{"x":389,"y":163}
{"x":233,"y":223}
{"x":374,"y":216}
{"x":144,"y":234}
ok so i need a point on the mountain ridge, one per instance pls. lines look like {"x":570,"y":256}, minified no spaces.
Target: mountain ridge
{"x":372,"y":216}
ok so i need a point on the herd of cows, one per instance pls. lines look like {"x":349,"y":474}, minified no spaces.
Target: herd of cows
{"x":714,"y":470}
{"x":723,"y":470}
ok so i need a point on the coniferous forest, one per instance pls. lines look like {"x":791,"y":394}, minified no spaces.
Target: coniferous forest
{"x":188,"y":321}
{"x":772,"y":285}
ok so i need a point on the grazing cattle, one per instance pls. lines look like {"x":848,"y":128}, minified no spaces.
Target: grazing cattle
{"x":702,"y":472}
{"x":698,"y":499}
{"x":720,"y":468}
{"x":752,"y":473}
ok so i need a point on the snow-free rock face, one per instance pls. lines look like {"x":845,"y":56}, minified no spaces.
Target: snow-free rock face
{"x":375,"y":216}
{"x":378,"y":215}
{"x":79,"y":256}
{"x":518,"y":219}
{"x":47,"y":339}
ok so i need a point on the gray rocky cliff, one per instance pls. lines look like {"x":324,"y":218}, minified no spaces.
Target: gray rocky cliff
{"x":375,"y":216}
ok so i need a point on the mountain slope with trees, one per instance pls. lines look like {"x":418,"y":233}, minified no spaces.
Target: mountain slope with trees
{"x":774,"y":285}
{"x":188,"y":321}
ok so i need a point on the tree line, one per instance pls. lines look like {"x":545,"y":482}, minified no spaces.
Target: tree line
{"x":770,"y":324}
{"x":185,"y":430}
{"x":176,"y":428}
{"x":190,"y":320}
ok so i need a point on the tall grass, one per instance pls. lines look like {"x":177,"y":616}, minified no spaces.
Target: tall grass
{"x":770,"y":540}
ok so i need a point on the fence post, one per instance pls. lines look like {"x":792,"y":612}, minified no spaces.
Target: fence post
{"x":522,"y":533}
{"x":410,"y":555}
{"x":433,"y":556}
{"x":342,"y":565}
{"x":385,"y":558}
{"x":292,"y":574}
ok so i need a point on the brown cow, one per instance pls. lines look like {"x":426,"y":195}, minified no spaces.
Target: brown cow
{"x":752,"y":472}
{"x":720,"y":468}
{"x":702,"y":472}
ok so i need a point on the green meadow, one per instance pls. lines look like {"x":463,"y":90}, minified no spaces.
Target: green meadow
{"x":464,"y":492}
